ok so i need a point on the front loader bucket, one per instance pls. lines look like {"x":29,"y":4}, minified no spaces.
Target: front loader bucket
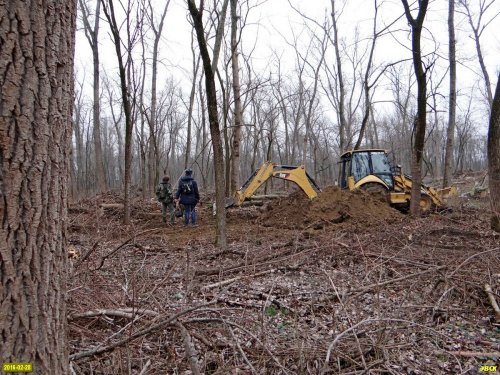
{"x":447,"y":192}
{"x":229,"y":202}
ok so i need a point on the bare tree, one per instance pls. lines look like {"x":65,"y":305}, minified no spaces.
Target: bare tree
{"x":494,"y":159}
{"x":416,"y":25}
{"x":197,"y":16}
{"x":452,"y":104}
{"x":92,"y":35}
{"x":117,"y":119}
{"x":340,"y":81}
{"x":128,"y":101}
{"x":78,"y":131}
{"x":219,"y":34}
{"x":367,"y":85}
{"x":154,"y":160}
{"x":308,"y":108}
{"x":196,"y":67}
{"x":36,"y":96}
{"x":238,"y":115}
{"x":478,"y":28}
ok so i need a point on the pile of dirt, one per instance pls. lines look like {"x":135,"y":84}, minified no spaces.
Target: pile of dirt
{"x":332,"y":206}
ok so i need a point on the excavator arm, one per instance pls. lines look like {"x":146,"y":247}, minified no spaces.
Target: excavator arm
{"x":295,"y":174}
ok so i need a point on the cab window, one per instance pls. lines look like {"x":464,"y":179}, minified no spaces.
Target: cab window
{"x":360,"y":165}
{"x":380,"y":163}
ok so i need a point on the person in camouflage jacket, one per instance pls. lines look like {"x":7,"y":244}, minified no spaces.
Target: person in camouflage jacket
{"x":166,"y":198}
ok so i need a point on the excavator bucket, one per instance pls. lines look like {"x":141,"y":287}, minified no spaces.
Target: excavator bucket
{"x":447,"y":192}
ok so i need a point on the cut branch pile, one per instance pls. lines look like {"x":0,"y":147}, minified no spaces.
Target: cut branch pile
{"x":414,"y":296}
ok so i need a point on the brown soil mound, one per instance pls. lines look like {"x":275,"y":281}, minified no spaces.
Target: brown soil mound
{"x":332,"y":206}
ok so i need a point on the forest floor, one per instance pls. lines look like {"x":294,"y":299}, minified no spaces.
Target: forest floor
{"x":342,"y":284}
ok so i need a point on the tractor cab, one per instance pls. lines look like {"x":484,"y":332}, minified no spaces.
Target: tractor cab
{"x":371,"y":171}
{"x":366,"y":168}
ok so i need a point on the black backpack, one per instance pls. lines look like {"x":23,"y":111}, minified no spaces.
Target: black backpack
{"x":187,"y":187}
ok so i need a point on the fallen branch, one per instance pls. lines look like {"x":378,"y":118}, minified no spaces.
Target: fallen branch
{"x":128,"y":313}
{"x":191,"y":354}
{"x":461,"y":353}
{"x":242,"y":352}
{"x":376,"y":285}
{"x":469,"y":258}
{"x":145,"y":368}
{"x":232,"y":280}
{"x":243,"y":329}
{"x":337,"y":339}
{"x":491,"y":296}
{"x":154,"y":327}
{"x":399,"y":260}
{"x":86,"y":255}
{"x":101,"y":263}
{"x":105,"y":206}
{"x":267,"y":260}
{"x":216,"y":271}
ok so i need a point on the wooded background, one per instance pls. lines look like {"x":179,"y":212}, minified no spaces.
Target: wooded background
{"x":342,"y":80}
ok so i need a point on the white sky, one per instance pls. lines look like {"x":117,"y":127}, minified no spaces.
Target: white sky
{"x":274,"y":20}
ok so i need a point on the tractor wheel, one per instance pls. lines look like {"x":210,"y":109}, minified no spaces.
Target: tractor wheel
{"x":425,"y":203}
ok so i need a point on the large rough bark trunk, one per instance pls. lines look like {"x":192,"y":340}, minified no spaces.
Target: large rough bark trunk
{"x":421,"y":119}
{"x":36,"y":104}
{"x":494,"y":159}
{"x":450,"y":132}
{"x":238,"y":121}
{"x":213,"y":118}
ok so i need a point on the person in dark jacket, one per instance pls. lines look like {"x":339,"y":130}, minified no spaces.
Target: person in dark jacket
{"x":187,"y":194}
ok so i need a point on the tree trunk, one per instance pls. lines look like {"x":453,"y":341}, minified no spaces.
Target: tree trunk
{"x":238,"y":120}
{"x":92,"y":35}
{"x":342,"y":120}
{"x":213,"y":119}
{"x":154,"y":161}
{"x":494,"y":159}
{"x":196,"y":65}
{"x":79,"y":157}
{"x":218,"y":35}
{"x":127,"y":108}
{"x":36,"y":96}
{"x":450,"y":132}
{"x":366,"y":84}
{"x":96,"y":109}
{"x":421,"y":118}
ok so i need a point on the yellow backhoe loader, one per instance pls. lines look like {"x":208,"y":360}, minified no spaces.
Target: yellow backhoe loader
{"x":296,"y":174}
{"x":371,"y":171}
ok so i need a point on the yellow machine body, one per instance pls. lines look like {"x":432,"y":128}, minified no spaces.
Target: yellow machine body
{"x":371,"y":170}
{"x":295,"y":174}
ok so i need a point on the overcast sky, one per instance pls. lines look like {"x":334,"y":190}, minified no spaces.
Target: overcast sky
{"x":272,"y":25}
